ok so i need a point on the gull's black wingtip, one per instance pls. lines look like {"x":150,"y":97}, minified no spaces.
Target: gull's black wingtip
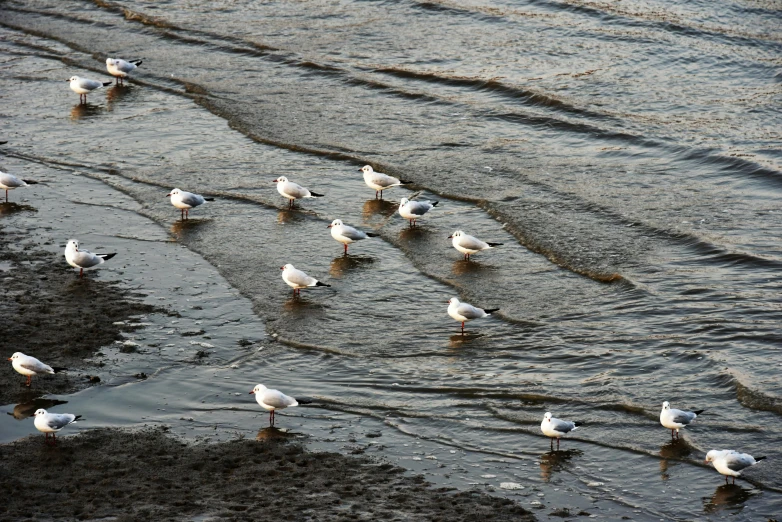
{"x":491,"y":310}
{"x":209,"y":199}
{"x":315,"y":194}
{"x":403,"y":182}
{"x":136,"y":62}
{"x":106,"y":84}
{"x":758,"y":459}
{"x":577,"y":424}
{"x":494,"y":244}
{"x":698,"y":412}
{"x":58,"y":369}
{"x":106,"y":257}
{"x":321,"y":284}
{"x":372,"y":234}
{"x":434,"y":203}
{"x":77,"y":418}
{"x":30,"y":181}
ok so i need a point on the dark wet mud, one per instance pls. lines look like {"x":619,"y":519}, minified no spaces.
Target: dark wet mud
{"x":51,"y":314}
{"x":149,"y":475}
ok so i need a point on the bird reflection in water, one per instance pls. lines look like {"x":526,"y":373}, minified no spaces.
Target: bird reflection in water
{"x":184,"y":228}
{"x":270,"y":433}
{"x":461,"y":340}
{"x":675,"y":449}
{"x":115,"y":94}
{"x":12,"y":208}
{"x":25,"y":410}
{"x":289,"y":216}
{"x":85,"y":110}
{"x":727,"y":496}
{"x":342,"y":264}
{"x":464,"y":267}
{"x":379,"y":207}
{"x":555,"y":461}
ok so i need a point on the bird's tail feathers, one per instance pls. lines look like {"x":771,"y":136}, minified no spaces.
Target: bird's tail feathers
{"x":321,"y":284}
{"x":136,"y":62}
{"x":490,"y":310}
{"x":372,"y":234}
{"x":758,"y":459}
{"x":494,"y":244}
{"x":58,"y":369}
{"x":77,"y":418}
{"x":698,"y":412}
{"x":106,"y":257}
{"x":106,"y":84}
{"x":315,"y":195}
{"x":209,"y":199}
{"x":30,"y":182}
{"x":578,"y":424}
{"x":304,"y":401}
{"x":434,"y":203}
{"x":403,"y":182}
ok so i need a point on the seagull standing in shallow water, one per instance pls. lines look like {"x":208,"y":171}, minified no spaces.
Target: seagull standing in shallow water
{"x":467,"y":244}
{"x":346,"y":234}
{"x":271,"y":400}
{"x":555,"y":428}
{"x":414,"y":210}
{"x":676,"y":419}
{"x":293,"y":191}
{"x":82,"y":86}
{"x":464,"y":312}
{"x":11,"y":182}
{"x":120,"y":68}
{"x":83,"y":259}
{"x":184,"y":201}
{"x":380,"y":181}
{"x":53,"y":422}
{"x":297,"y":279}
{"x":29,"y":366}
{"x":730,"y":462}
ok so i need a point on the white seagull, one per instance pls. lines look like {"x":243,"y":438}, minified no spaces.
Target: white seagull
{"x":730,"y":462}
{"x":413,"y":210}
{"x":83,"y":259}
{"x":467,"y":244}
{"x":380,"y":181}
{"x":676,"y":419}
{"x":464,"y":312}
{"x":184,"y":201}
{"x":11,"y":182}
{"x":82,"y":86}
{"x":297,"y":279}
{"x":53,"y":422}
{"x":120,"y":68}
{"x":555,"y":428}
{"x":293,"y":191}
{"x":271,"y":400}
{"x":346,"y":234}
{"x":29,"y":366}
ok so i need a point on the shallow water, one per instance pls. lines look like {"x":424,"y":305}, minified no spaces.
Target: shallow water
{"x":626,"y":155}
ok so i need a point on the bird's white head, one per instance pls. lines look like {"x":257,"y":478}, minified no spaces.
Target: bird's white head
{"x":287,"y":267}
{"x":258,"y":388}
{"x":367,"y":169}
{"x":547,"y":416}
{"x":73,"y":244}
{"x":453,"y":301}
{"x":16,"y":355}
{"x":110,"y":61}
{"x":336,"y":223}
{"x":458,"y":233}
{"x":174,"y":192}
{"x":711,"y":455}
{"x":403,"y":202}
{"x":281,"y":179}
{"x":666,"y":405}
{"x":73,"y":79}
{"x":40,"y":411}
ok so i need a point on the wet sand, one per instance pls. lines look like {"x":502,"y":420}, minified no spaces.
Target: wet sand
{"x":149,"y":475}
{"x":50,"y":314}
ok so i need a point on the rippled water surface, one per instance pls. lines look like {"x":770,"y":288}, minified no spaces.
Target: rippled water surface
{"x":627,"y":155}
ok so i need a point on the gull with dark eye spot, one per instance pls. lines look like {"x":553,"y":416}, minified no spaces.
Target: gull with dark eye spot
{"x":676,"y":419}
{"x":184,"y":201}
{"x":555,"y":428}
{"x":83,"y":259}
{"x":293,"y":191}
{"x":51,"y":423}
{"x":272,"y":400}
{"x":731,"y":463}
{"x":82,"y":86}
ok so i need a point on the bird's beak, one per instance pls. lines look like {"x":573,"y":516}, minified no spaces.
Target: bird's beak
{"x":361,"y":170}
{"x":252,"y":392}
{"x":10,"y":359}
{"x":705,"y":461}
{"x":449,"y":237}
{"x":328,"y":226}
{"x":282,"y":268}
{"x":275,"y":181}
